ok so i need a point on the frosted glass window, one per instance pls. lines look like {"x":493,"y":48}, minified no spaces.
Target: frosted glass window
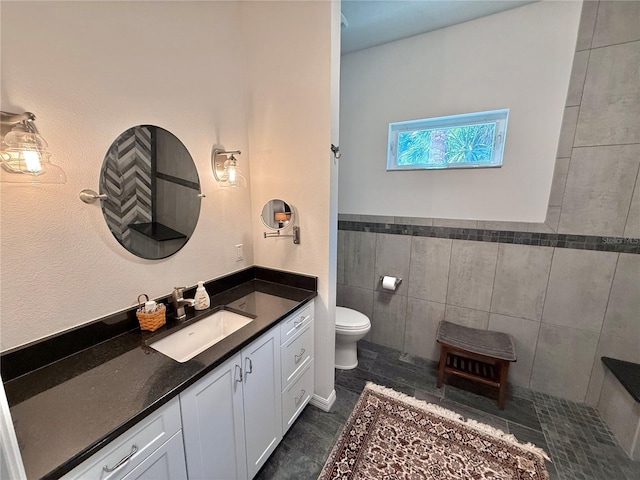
{"x":457,"y":141}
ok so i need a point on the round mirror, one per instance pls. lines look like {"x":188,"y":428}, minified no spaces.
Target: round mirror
{"x":153,"y":192}
{"x":276,"y":214}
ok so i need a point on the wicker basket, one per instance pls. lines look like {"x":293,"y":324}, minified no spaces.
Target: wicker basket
{"x":150,"y":321}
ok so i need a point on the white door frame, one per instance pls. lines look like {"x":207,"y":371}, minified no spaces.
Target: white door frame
{"x":10,"y":458}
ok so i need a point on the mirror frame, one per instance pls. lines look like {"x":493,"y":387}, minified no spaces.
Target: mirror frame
{"x":272,"y":208}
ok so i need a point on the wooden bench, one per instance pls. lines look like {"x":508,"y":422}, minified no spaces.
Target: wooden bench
{"x":479,"y":355}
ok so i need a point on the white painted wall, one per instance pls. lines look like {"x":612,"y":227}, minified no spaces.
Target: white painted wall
{"x":520,"y":59}
{"x":90,"y":70}
{"x":254,"y":76}
{"x":289,"y":66}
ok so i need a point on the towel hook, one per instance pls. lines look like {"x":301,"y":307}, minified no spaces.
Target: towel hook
{"x":336,"y":151}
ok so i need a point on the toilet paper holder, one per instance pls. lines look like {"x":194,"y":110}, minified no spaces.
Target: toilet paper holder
{"x":397,"y":282}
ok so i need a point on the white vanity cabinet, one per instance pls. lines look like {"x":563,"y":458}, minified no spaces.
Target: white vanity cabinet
{"x":151,"y":450}
{"x":296,"y":353}
{"x":232,"y":416}
{"x":228,"y":423}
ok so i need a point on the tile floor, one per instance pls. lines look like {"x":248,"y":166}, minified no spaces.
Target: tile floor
{"x":578,"y":442}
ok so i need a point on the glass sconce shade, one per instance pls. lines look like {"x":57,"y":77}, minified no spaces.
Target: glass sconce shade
{"x":225,"y":168}
{"x":24,"y":154}
{"x":232,"y":169}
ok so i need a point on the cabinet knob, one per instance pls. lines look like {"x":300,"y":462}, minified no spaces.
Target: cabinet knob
{"x":238,"y":376}
{"x":298,"y":357}
{"x":299,"y":397}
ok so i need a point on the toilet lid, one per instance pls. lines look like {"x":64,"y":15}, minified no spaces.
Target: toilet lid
{"x":348,"y":319}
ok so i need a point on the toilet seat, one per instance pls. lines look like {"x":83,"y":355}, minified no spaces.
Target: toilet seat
{"x":350,"y":320}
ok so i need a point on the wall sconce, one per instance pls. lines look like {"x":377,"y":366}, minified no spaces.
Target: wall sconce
{"x":225,"y":168}
{"x":24,"y":155}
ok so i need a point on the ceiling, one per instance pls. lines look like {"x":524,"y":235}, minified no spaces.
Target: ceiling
{"x":374,"y":22}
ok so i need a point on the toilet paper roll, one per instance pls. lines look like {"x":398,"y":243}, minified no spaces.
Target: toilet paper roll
{"x":389,"y":283}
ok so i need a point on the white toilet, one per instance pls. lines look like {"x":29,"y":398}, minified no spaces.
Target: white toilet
{"x":351,"y":326}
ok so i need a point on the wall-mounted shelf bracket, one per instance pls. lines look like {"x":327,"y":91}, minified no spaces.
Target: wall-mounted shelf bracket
{"x":295,"y":236}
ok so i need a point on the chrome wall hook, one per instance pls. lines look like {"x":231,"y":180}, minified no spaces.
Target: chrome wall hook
{"x":336,"y":152}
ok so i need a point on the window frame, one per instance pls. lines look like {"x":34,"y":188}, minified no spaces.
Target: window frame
{"x":499,"y":117}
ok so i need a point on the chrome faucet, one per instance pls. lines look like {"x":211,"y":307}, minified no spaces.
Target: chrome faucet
{"x":179,"y":303}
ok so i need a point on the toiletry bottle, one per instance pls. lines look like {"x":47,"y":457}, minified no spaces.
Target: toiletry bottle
{"x":202,"y":297}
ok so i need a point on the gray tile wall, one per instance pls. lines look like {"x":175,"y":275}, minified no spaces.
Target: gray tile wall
{"x":565,"y":308}
{"x":596,"y":175}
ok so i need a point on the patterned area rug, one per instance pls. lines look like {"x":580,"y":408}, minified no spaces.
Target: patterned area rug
{"x":390,"y":435}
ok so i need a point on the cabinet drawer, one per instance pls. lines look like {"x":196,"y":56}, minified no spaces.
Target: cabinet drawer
{"x":296,"y":397}
{"x":166,"y":463}
{"x":290,"y":327}
{"x":296,"y":354}
{"x":132,"y":446}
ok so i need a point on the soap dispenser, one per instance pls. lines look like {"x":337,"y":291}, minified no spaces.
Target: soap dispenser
{"x":201,"y":297}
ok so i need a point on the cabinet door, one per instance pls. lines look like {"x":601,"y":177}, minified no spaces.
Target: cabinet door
{"x":213,"y":424}
{"x":262,"y":399}
{"x":166,"y":463}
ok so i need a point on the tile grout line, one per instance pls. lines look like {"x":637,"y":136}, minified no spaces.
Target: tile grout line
{"x":604,"y":318}
{"x":544,"y":302}
{"x":612,"y":44}
{"x":493,"y":284}
{"x":633,"y":192}
{"x":546,"y":294}
{"x":602,"y":144}
{"x":406,"y":309}
{"x":575,"y":130}
{"x":595,"y":23}
{"x":446,"y":295}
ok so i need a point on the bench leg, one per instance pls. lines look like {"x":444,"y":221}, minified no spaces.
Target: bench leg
{"x":443,"y":362}
{"x":502,"y":395}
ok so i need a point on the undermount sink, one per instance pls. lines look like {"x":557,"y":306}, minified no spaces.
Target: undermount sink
{"x":189,"y":341}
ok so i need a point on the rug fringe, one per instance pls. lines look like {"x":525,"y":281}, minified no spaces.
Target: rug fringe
{"x":451,"y":415}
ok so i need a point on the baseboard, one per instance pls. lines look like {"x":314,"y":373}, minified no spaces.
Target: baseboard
{"x":324,"y":404}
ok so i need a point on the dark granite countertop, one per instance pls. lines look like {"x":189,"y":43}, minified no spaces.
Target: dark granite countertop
{"x":67,"y":410}
{"x":627,"y":373}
